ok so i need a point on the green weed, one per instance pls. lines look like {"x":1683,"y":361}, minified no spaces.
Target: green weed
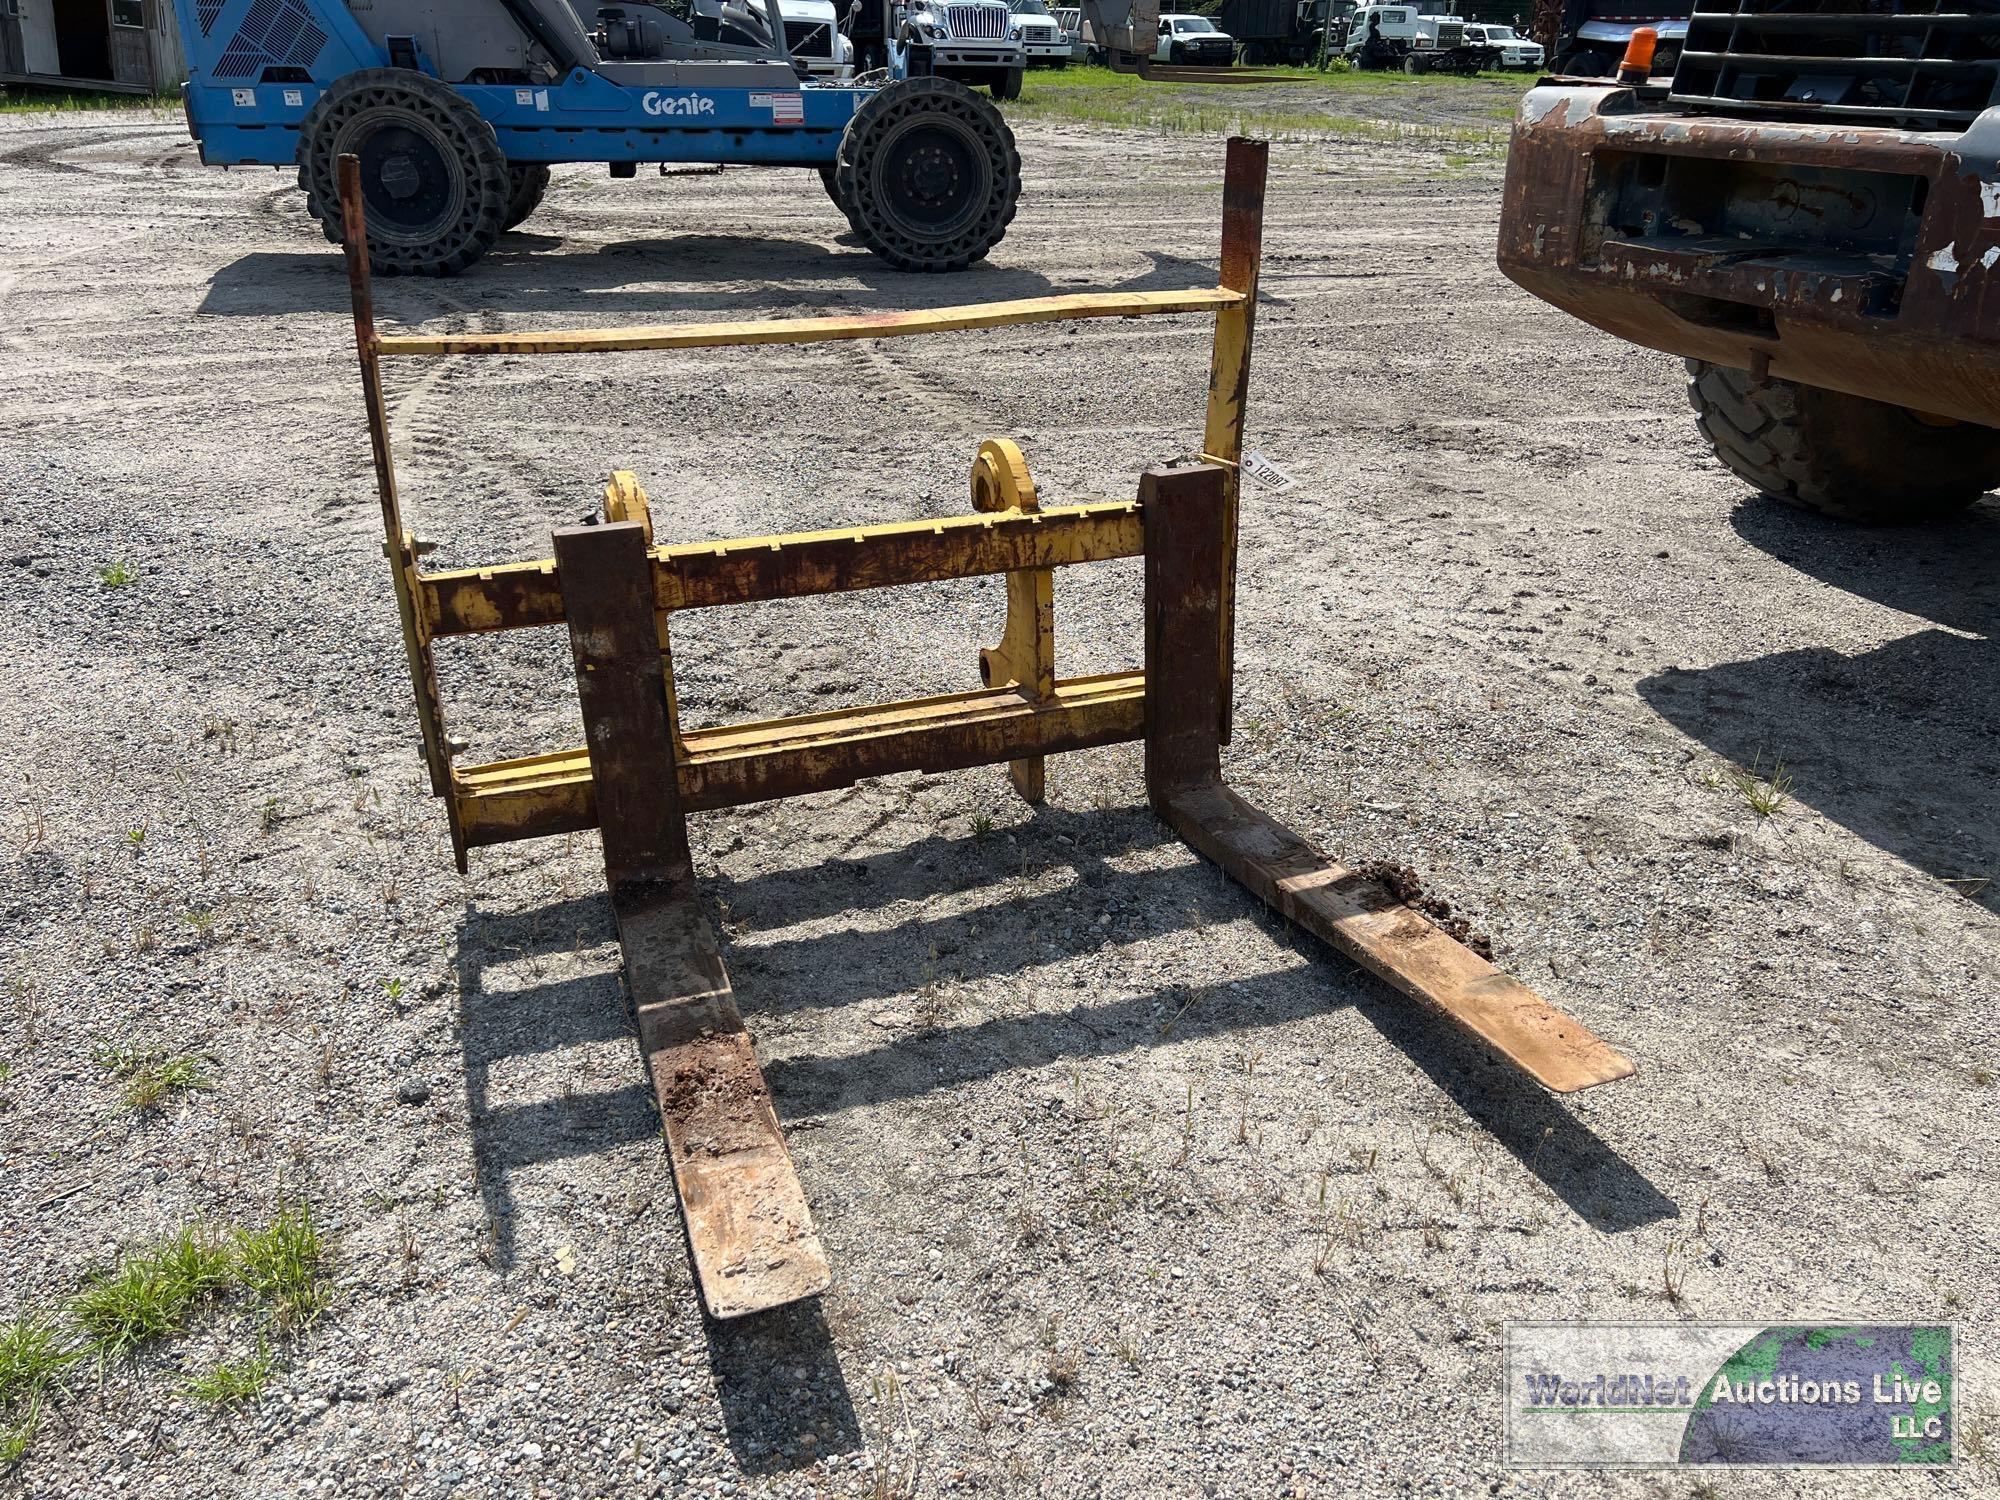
{"x":115,"y":575}
{"x":151,"y":1076}
{"x":15,"y":1437}
{"x":34,"y":1350}
{"x":1764,"y":794}
{"x":281,"y":1267}
{"x":151,"y":1295}
{"x":232,"y":1382}
{"x":51,"y":101}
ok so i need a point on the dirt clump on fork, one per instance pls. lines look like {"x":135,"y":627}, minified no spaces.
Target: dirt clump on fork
{"x":712,"y":1096}
{"x":1402,"y":883}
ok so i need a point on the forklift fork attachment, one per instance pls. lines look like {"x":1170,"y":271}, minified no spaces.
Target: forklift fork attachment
{"x":616,"y":587}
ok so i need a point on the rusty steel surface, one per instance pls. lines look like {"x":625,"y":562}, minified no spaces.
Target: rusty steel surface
{"x":1185,"y":522}
{"x":1860,"y":258}
{"x":1243,"y":178}
{"x":1356,"y":915}
{"x":535,"y":796}
{"x":398,"y":545}
{"x":744,"y":570}
{"x":1065,"y":307}
{"x":623,"y":698}
{"x":750,"y":1234}
{"x":1025,"y":659}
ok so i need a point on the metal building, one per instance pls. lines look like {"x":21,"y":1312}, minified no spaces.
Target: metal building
{"x":126,"y":46}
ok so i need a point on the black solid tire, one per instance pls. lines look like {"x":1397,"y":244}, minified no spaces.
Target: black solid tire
{"x":474,"y":188}
{"x":960,"y":124}
{"x":1584,"y":63}
{"x":1253,"y":54}
{"x":830,"y":180}
{"x":526,"y":183}
{"x":1008,"y":84}
{"x":1841,"y":455}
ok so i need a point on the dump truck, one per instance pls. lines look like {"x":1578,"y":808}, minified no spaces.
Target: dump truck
{"x":1587,"y":38}
{"x":1284,"y":31}
{"x":1809,"y":215}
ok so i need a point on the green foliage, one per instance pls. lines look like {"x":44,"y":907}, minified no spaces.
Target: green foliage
{"x":150,"y":1075}
{"x":232,"y":1382}
{"x":37,"y":101}
{"x":115,"y":575}
{"x":151,"y":1295}
{"x":1764,"y":794}
{"x":34,"y":1350}
{"x":281,"y":1267}
{"x":16,"y":1436}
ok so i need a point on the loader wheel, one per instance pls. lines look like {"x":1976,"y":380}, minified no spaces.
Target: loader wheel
{"x":1841,"y":455}
{"x":928,"y":174}
{"x":526,"y":182}
{"x":433,"y":179}
{"x":830,"y":180}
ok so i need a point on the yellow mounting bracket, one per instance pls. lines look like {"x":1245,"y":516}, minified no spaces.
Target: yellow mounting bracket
{"x":1026,"y":656}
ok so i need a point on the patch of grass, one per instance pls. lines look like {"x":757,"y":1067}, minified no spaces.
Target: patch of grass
{"x":34,"y":1351}
{"x":16,"y":1436}
{"x":1764,"y":794}
{"x":151,"y":1076}
{"x":233,"y":1382}
{"x":15,"y":100}
{"x":281,"y":1267}
{"x":115,"y":575}
{"x":1296,"y":108}
{"x":151,"y":1295}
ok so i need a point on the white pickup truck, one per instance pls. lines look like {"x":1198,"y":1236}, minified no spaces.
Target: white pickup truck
{"x":1043,"y":41}
{"x":1194,"y":39}
{"x":1516,"y":51}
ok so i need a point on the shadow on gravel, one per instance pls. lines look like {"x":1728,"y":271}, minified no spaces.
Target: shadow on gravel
{"x":494,"y":1027}
{"x":1945,"y":572}
{"x":1899,"y":744}
{"x":531,"y":275}
{"x":784,"y":1401}
{"x":828,"y":969}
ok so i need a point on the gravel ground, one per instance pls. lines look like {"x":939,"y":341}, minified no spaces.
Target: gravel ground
{"x":1128,"y":1190}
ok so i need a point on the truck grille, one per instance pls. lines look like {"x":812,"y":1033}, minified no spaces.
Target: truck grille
{"x":808,"y":38}
{"x":1038,"y":33}
{"x":1919,"y":64}
{"x":978,"y":22}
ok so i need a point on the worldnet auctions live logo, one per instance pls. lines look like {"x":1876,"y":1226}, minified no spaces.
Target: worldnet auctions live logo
{"x":1783,"y":1395}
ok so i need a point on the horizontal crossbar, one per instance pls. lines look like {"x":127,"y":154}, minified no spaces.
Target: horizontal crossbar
{"x":883,"y":325}
{"x":739,"y":763}
{"x":464,"y":601}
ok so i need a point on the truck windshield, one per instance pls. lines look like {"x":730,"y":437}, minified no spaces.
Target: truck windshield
{"x":1493,"y":33}
{"x":1186,"y":23}
{"x":1019,"y":7}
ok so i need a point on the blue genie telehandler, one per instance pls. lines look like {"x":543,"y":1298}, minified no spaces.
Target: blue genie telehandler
{"x":457,"y":108}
